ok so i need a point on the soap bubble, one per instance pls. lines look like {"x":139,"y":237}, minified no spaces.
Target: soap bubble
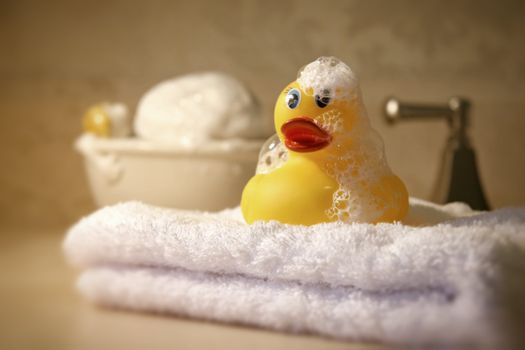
{"x":273,"y":155}
{"x":328,"y":77}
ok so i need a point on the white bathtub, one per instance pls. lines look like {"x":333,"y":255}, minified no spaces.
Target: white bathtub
{"x":210,"y":178}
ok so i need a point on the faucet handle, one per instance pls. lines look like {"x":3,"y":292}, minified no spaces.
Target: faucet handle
{"x":456,"y":112}
{"x":395,"y":110}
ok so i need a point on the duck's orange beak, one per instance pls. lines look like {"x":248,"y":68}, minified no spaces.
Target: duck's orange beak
{"x":302,"y":134}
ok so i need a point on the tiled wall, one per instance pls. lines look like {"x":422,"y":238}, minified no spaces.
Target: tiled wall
{"x":58,"y":57}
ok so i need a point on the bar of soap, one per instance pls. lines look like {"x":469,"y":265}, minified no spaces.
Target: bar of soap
{"x":325,"y":163}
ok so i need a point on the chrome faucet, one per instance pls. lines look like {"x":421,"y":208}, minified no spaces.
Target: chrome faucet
{"x":459,"y":178}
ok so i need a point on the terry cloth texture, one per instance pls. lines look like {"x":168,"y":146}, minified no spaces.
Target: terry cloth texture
{"x":447,"y":275}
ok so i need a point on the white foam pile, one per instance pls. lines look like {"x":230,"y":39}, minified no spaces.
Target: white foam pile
{"x":198,"y":108}
{"x":327,"y":76}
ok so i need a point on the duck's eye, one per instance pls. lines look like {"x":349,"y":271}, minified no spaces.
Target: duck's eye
{"x":293,"y":97}
{"x":322,"y":101}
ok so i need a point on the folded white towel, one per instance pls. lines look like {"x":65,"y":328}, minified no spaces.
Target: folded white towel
{"x":450,"y":283}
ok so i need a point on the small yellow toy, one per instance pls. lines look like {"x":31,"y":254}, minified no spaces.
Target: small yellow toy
{"x":107,"y":120}
{"x":329,"y":164}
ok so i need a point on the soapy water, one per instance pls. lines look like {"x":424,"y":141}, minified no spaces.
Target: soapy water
{"x":358,"y":170}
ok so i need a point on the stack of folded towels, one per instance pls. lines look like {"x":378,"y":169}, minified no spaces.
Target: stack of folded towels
{"x":447,"y":275}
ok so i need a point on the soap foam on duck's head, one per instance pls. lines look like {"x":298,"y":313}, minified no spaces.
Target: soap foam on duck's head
{"x":328,"y":76}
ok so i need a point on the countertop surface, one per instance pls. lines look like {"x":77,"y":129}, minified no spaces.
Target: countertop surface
{"x":40,"y":309}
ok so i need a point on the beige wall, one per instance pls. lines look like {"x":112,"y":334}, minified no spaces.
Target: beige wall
{"x":58,"y":57}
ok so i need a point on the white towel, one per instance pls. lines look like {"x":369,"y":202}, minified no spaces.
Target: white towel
{"x":455,"y":282}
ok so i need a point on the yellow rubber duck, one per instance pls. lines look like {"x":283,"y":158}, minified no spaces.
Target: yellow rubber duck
{"x":335,"y":168}
{"x":107,"y":120}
